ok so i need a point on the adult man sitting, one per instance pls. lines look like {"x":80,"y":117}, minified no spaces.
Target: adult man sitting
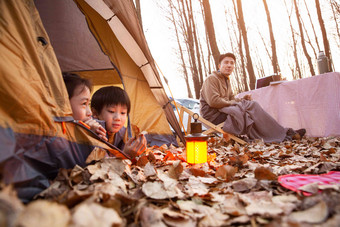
{"x":240,"y":116}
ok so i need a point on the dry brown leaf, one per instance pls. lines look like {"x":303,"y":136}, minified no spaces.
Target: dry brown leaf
{"x":10,"y":206}
{"x":232,"y":205}
{"x":244,"y":184}
{"x":76,"y":175}
{"x":115,"y":179}
{"x":323,"y":158}
{"x":286,"y":202}
{"x":254,"y":197}
{"x":263,"y":173}
{"x":135,"y":174}
{"x":151,"y":216}
{"x":93,"y":168}
{"x":98,"y":174}
{"x":313,"y":215}
{"x":239,"y":160}
{"x":176,"y":169}
{"x":155,"y":190}
{"x":44,"y":213}
{"x":149,"y":170}
{"x":93,"y":214}
{"x":265,"y":208}
{"x":310,"y":188}
{"x":197,"y":172}
{"x":195,"y":186}
{"x":187,"y":205}
{"x":173,"y":218}
{"x":332,"y":150}
{"x":208,"y":180}
{"x":135,"y":130}
{"x":96,"y":155}
{"x":238,"y":220}
{"x":151,"y":156}
{"x":115,"y":164}
{"x":170,"y":185}
{"x":213,"y":218}
{"x":225,"y":172}
{"x":142,"y":161}
{"x":108,"y":188}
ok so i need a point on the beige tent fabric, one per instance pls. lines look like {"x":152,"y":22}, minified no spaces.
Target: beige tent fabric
{"x":117,"y":31}
{"x":101,"y":77}
{"x":32,"y":91}
{"x":37,"y":135}
{"x":146,"y":112}
{"x":75,"y":47}
{"x":30,"y":74}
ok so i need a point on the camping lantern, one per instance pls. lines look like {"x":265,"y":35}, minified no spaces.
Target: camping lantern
{"x":196,"y":144}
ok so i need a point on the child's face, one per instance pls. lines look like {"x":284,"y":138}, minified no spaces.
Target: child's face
{"x":80,"y":103}
{"x":114,"y":117}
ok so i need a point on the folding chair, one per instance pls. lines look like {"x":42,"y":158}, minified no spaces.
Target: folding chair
{"x":212,"y":127}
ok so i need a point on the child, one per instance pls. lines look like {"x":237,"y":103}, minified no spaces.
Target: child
{"x":112,"y":104}
{"x":79,"y":93}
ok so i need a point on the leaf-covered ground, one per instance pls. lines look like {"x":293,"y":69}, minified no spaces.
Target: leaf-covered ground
{"x":238,"y":187}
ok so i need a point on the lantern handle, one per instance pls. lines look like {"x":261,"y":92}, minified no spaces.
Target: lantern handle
{"x":195,"y":116}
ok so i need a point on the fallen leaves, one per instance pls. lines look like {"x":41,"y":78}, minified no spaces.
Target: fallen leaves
{"x":225,"y":172}
{"x":93,"y":214}
{"x":155,"y":190}
{"x":44,"y":213}
{"x":263,"y":173}
{"x":316,"y":214}
{"x":238,"y":186}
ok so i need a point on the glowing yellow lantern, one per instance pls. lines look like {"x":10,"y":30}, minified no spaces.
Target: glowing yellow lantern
{"x":196,"y":144}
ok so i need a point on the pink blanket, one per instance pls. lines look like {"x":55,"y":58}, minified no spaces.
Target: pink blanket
{"x":296,"y":181}
{"x":312,"y":103}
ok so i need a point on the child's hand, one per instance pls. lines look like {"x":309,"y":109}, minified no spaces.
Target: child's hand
{"x":135,"y":146}
{"x":97,"y":128}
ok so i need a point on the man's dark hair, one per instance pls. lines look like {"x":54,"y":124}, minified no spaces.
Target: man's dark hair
{"x":110,"y":95}
{"x":222,"y":56}
{"x":72,"y":81}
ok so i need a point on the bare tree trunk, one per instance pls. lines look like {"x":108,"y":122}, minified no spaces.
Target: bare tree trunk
{"x":206,"y":71}
{"x":297,"y":66}
{"x":191,"y":48}
{"x":311,"y":22}
{"x":238,"y":76}
{"x":309,"y":40}
{"x":209,"y":26}
{"x":244,"y":75}
{"x":184,"y":68}
{"x":265,"y":45}
{"x":324,"y":34}
{"x":207,"y":42}
{"x":250,"y":69}
{"x":259,"y":65}
{"x":336,"y":8}
{"x":272,"y":39}
{"x":309,"y":60}
{"x":139,"y":12}
{"x":198,"y":54}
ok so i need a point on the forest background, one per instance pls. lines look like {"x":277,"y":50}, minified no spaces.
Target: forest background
{"x":268,"y":37}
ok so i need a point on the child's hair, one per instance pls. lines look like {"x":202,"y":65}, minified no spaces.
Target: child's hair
{"x":72,"y":81}
{"x":110,"y":95}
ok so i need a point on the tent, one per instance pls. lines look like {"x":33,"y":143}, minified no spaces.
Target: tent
{"x":103,"y":41}
{"x":99,"y":40}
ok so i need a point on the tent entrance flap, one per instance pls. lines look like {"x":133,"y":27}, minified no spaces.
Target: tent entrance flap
{"x":86,"y":42}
